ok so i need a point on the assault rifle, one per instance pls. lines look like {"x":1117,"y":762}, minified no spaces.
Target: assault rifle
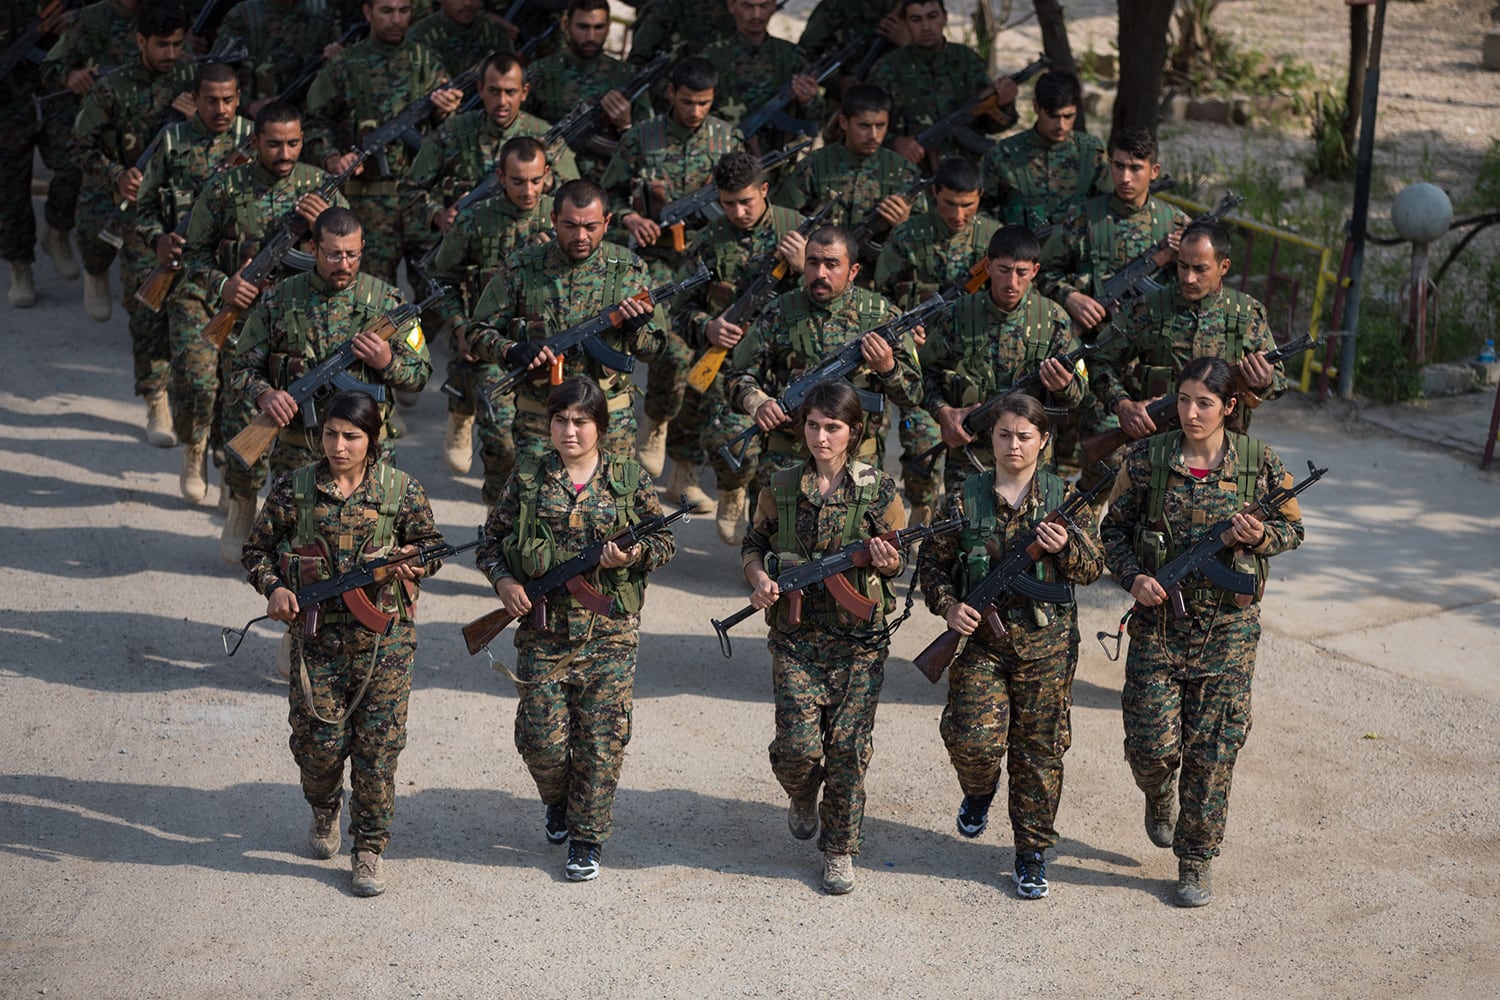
{"x":329,"y":376}
{"x":838,"y":365}
{"x":773,"y":112}
{"x":865,"y":231}
{"x":979,"y":419}
{"x":879,"y":46}
{"x":704,"y":202}
{"x":1163,"y":411}
{"x":569,"y":576}
{"x":586,"y":118}
{"x":1200,"y":557}
{"x":349,"y":586}
{"x":551,"y":139}
{"x":587,"y":334}
{"x":535,"y":41}
{"x":1012,"y":573}
{"x":829,"y":571}
{"x":753,"y":297}
{"x":49,"y":21}
{"x":207,"y":21}
{"x":419,"y":111}
{"x":985,"y":104}
{"x":295,"y":91}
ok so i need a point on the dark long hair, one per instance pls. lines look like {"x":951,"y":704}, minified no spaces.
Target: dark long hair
{"x":583,"y":393}
{"x":1022,"y":405}
{"x":361,"y":410}
{"x":836,"y":399}
{"x":1216,"y":376}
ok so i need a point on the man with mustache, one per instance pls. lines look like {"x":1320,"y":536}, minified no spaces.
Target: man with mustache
{"x":234,"y":213}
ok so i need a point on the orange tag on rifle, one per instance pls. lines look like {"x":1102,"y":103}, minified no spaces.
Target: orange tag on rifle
{"x":555,"y":376}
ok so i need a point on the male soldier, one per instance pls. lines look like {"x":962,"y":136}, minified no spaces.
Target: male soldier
{"x":801,"y":327}
{"x":582,"y":72}
{"x":682,"y":27}
{"x":234,"y":212}
{"x":932,"y":77}
{"x":864,"y":179}
{"x":1197,"y":317}
{"x":118,"y":120}
{"x":752,"y":68}
{"x":659,"y":160}
{"x":283,"y":37}
{"x":988,"y":341}
{"x":20,"y":133}
{"x":924,"y":255}
{"x":834,"y":22}
{"x":734,"y":248}
{"x":190,"y":153}
{"x":366,"y":86}
{"x":1043,"y":175}
{"x":303,"y":320}
{"x":470,"y":258}
{"x":459,"y":36}
{"x":548,"y":288}
{"x":463,"y":150}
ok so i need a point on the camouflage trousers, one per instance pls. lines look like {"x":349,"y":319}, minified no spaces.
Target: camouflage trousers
{"x":373,"y":735}
{"x":150,"y":340}
{"x":492,"y":424}
{"x":917,"y":432}
{"x":572,"y":732}
{"x":826,"y":691}
{"x":1003,"y":708}
{"x":193,"y":385}
{"x":666,"y":374}
{"x":1186,"y":704}
{"x":96,"y":206}
{"x":718,"y":423}
{"x":534,"y":439}
{"x":19,"y":134}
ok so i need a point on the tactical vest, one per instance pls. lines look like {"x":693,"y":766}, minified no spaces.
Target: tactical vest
{"x":285,"y":313}
{"x":535,"y":284}
{"x":732,"y":253}
{"x":1157,"y":367}
{"x":531,"y":551}
{"x":796,"y":320}
{"x":1030,"y":207}
{"x":974,"y":380}
{"x":974,"y":557}
{"x":788,"y":549}
{"x":252,"y":211}
{"x":183,"y":172}
{"x":928,"y":263}
{"x":1102,"y":227}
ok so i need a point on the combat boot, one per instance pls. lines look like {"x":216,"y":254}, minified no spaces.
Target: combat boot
{"x":96,"y":296}
{"x":59,"y":247}
{"x":22,"y":292}
{"x":651,"y":447}
{"x":683,"y":488}
{"x":838,"y":873}
{"x":159,"y":420}
{"x":731,"y":510}
{"x":323,"y":835}
{"x":369,"y":874}
{"x":802,"y":817}
{"x":1159,"y":820}
{"x":192,"y":481}
{"x":237,"y":525}
{"x":1195,"y":882}
{"x":458,"y":447}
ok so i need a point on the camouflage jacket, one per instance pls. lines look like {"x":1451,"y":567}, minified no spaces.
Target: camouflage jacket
{"x":1104,"y":236}
{"x":482,"y":238}
{"x":121,"y":115}
{"x":1029,"y":181}
{"x":856,"y":183}
{"x":750,"y":75}
{"x":103,"y":34}
{"x":682,"y":26}
{"x":26,"y":79}
{"x":731,"y":256}
{"x":927,"y":85}
{"x":922,"y":256}
{"x":1161,"y":332}
{"x":460,"y":46}
{"x":562,"y":81}
{"x":833,"y":22}
{"x":189,"y":155}
{"x":284,"y":37}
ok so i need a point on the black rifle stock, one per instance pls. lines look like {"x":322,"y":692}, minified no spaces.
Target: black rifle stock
{"x":984,"y":104}
{"x":703,"y":202}
{"x":773,"y":112}
{"x":587,"y":117}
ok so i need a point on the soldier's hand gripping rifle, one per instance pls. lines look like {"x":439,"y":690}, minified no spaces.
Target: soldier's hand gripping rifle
{"x":419,"y":111}
{"x":295,"y":91}
{"x":586,"y":335}
{"x":552,"y":141}
{"x":864,"y":233}
{"x":1012,"y":573}
{"x":839,"y":365}
{"x":753,"y":297}
{"x":704,"y":202}
{"x":1163,"y":411}
{"x":329,"y":376}
{"x":986,"y":103}
{"x":588,"y":116}
{"x":350,"y":586}
{"x":829,"y":571}
{"x":50,"y":20}
{"x":773,"y":112}
{"x":569,"y":576}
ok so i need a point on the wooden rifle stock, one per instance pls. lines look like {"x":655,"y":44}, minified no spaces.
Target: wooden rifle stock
{"x":480,"y":632}
{"x":221,"y":325}
{"x":707,"y":369}
{"x":158,"y":285}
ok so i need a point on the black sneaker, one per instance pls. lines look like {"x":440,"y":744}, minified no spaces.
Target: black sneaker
{"x":1030,"y":875}
{"x":557,"y":823}
{"x":974,"y":814}
{"x":583,"y":861}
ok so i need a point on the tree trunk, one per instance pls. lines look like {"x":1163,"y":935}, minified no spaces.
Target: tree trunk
{"x":1143,"y":53}
{"x":1359,"y":58}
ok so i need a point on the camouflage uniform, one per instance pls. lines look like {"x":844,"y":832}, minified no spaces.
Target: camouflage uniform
{"x":794,"y":333}
{"x":732,"y":256}
{"x":284,"y":37}
{"x":573,"y":720}
{"x":345,"y":535}
{"x":366,"y":86}
{"x":825,"y":681}
{"x":189,"y":155}
{"x":20,"y":133}
{"x":833,"y":22}
{"x":928,"y":85}
{"x":682,"y":26}
{"x":472,"y":257}
{"x":1011,"y":693}
{"x":750,"y":75}
{"x":303,"y":320}
{"x":544,"y":292}
{"x":562,"y":81}
{"x":978,"y":350}
{"x":855,"y":183}
{"x":460,"y":46}
{"x":1100,"y":239}
{"x":1186,"y":698}
{"x":118,"y":120}
{"x":1031,"y":181}
{"x":232,"y":215}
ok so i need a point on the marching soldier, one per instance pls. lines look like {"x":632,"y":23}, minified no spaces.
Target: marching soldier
{"x":1045,"y":174}
{"x":459,"y":36}
{"x":753,"y":66}
{"x":283,"y":37}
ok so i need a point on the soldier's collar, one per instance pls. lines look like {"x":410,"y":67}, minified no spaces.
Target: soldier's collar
{"x":677,"y":130}
{"x":1208,"y":301}
{"x":1042,"y":142}
{"x":1120,"y":208}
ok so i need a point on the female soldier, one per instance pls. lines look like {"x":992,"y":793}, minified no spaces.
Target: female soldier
{"x":575,"y":669}
{"x":1186,"y":697}
{"x":1013,"y":690}
{"x":826,"y":666}
{"x":349,"y":684}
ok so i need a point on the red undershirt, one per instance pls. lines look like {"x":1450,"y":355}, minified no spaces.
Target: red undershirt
{"x":1199,"y":473}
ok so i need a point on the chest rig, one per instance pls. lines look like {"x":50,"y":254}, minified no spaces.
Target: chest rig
{"x":975,"y":552}
{"x":1104,"y":232}
{"x":1156,"y":371}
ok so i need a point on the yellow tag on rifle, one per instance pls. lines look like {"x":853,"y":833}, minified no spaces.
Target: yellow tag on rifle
{"x":414,"y":339}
